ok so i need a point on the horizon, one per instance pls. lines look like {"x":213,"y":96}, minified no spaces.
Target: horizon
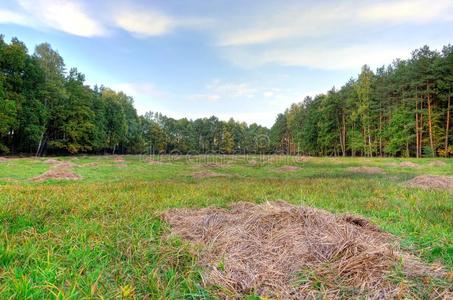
{"x":184,"y":61}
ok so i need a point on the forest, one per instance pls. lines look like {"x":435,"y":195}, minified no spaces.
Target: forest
{"x":403,"y":109}
{"x":45,"y":109}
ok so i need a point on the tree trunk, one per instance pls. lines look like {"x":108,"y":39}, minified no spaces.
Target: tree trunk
{"x":447,"y":122}
{"x":364,"y":142}
{"x":40,"y":144}
{"x":430,"y":126}
{"x":380,"y":133}
{"x":420,"y":139}
{"x":417,"y":136}
{"x":344,"y":136}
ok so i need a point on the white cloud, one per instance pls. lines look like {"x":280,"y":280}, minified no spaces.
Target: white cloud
{"x":146,"y":96}
{"x":205,"y":97}
{"x":254,"y":36}
{"x":63,"y":15}
{"x":308,"y":20}
{"x":413,"y":11}
{"x":72,"y":17}
{"x":7,"y":16}
{"x":219,"y":90}
{"x":136,"y":89}
{"x":232,"y":89}
{"x":332,"y":35}
{"x":333,"y":57}
{"x":144,"y":23}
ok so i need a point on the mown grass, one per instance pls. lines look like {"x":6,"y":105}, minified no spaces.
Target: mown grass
{"x":101,"y":237}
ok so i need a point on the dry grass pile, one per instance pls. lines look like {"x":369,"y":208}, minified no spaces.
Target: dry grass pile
{"x":252,"y":163}
{"x":3,"y":159}
{"x":281,"y":251}
{"x":302,"y":158}
{"x":205,"y":174}
{"x":212,"y":165}
{"x":151,"y":161}
{"x":118,"y":159}
{"x":288,"y":168}
{"x":61,"y":171}
{"x":431,"y":182}
{"x":52,"y":161}
{"x":437,"y":163}
{"x":366,"y":170}
{"x":408,"y":164}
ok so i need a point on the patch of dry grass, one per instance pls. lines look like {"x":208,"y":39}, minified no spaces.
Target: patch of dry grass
{"x":366,"y":170}
{"x":431,"y":182}
{"x":288,"y":168}
{"x":283,"y":251}
{"x":408,"y":164}
{"x":60,"y":171}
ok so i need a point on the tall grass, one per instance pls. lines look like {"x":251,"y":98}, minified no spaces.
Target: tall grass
{"x":101,"y":237}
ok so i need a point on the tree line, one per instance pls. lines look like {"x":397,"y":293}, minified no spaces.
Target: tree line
{"x":45,"y":109}
{"x":403,"y":109}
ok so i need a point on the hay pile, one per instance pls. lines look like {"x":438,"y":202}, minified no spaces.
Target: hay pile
{"x":151,"y":161}
{"x":302,"y":158}
{"x":205,"y":174}
{"x":212,"y":165}
{"x":366,"y":170}
{"x":288,"y":168}
{"x":282,"y":251}
{"x":437,"y":163}
{"x":431,"y":182}
{"x":408,"y":164}
{"x":252,"y":163}
{"x":61,"y":171}
{"x":118,"y":159}
{"x":52,"y":161}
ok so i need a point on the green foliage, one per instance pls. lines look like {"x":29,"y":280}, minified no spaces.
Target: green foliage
{"x":404,"y":109}
{"x":401,"y":110}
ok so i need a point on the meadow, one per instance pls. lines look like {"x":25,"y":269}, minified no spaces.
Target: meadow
{"x":102,"y":236}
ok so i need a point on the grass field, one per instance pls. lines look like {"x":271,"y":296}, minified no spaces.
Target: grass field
{"x":101,"y":236}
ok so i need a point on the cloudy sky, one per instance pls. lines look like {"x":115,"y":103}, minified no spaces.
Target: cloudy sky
{"x":243,"y":59}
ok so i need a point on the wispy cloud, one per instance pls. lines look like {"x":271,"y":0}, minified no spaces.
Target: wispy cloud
{"x":329,"y":35}
{"x":326,"y":57}
{"x":139,"y":89}
{"x":62,"y":15}
{"x":74,"y":17}
{"x":219,"y":90}
{"x":411,"y":11}
{"x":307,"y":19}
{"x":144,"y":23}
{"x":8,"y":16}
{"x":147,"y":97}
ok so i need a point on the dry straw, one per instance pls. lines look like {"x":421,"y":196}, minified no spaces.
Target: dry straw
{"x":282,"y":251}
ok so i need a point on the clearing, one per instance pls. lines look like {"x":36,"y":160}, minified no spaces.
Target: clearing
{"x":170,"y":230}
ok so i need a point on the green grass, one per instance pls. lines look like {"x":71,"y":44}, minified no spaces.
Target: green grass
{"x":101,"y":237}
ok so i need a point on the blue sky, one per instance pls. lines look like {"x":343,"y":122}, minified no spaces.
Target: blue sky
{"x":243,"y":59}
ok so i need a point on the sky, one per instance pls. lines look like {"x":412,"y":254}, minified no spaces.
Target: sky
{"x":248,"y":60}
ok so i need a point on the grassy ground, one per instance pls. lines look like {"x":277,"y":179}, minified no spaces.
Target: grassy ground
{"x":100,"y":237}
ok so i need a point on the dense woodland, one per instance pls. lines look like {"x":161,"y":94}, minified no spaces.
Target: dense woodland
{"x":46,"y":109}
{"x":403,"y":109}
